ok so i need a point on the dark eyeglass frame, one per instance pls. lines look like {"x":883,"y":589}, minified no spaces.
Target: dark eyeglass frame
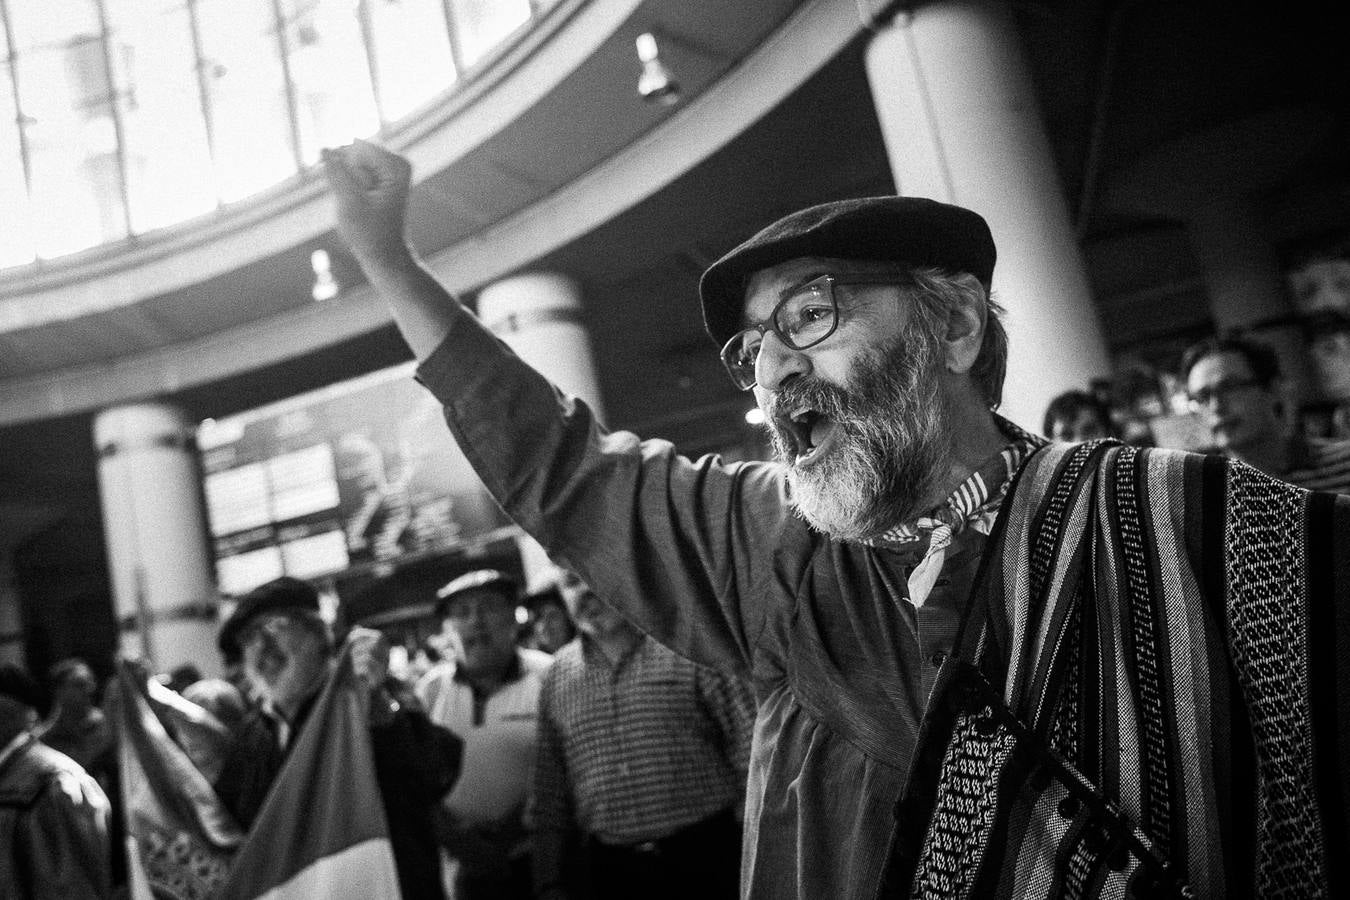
{"x":1226,"y":388}
{"x":739,"y":374}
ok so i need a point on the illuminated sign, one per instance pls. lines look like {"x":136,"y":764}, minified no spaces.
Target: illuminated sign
{"x":359,"y":473}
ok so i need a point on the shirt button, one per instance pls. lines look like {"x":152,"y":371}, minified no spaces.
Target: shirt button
{"x":1068,"y":807}
{"x":938,"y":658}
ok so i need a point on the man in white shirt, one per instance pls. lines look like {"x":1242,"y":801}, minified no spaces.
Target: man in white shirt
{"x":487,"y":693}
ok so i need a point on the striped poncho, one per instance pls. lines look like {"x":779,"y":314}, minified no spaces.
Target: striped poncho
{"x":1151,"y":696}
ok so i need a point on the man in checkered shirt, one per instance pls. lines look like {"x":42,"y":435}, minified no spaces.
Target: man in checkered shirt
{"x":642,"y":758}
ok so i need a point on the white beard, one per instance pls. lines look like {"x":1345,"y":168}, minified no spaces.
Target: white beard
{"x":891,"y":441}
{"x":834,"y":495}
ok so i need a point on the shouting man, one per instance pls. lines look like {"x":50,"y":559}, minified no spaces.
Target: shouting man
{"x":983,"y":667}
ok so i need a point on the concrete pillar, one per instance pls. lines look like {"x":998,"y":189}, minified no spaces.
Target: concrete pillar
{"x":155,"y":529}
{"x":959,"y":116}
{"x":539,"y":316}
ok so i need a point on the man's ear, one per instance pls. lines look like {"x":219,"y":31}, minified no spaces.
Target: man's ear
{"x":965,"y":332}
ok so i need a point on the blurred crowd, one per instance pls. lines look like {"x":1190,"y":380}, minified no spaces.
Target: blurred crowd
{"x":1230,"y":396}
{"x":536,"y":745}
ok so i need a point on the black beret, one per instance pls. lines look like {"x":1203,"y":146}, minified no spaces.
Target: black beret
{"x":280,"y":593}
{"x":910,"y":230}
{"x":16,"y":684}
{"x":490,"y":580}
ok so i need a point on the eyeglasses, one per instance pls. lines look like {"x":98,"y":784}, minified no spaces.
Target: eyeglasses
{"x":803,"y":318}
{"x":1223,"y":390}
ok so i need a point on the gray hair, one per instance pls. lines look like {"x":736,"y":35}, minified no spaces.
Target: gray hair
{"x":936,"y":291}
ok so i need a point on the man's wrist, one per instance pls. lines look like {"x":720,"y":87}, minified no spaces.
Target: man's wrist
{"x":387,"y":259}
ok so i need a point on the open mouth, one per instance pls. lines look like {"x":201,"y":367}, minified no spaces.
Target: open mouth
{"x":808,"y":432}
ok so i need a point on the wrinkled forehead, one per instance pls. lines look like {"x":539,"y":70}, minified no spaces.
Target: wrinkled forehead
{"x":764,"y":288}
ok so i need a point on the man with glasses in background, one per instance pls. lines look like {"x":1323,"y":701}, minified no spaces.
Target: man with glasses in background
{"x":1235,"y":386}
{"x":983,"y":667}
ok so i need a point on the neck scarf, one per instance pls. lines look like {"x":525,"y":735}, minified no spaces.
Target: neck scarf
{"x":974,"y":504}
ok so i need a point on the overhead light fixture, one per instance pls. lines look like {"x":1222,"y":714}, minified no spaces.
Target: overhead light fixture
{"x":325,"y":285}
{"x":656,"y":84}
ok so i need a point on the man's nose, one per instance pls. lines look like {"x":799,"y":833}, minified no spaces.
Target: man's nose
{"x":778,"y":364}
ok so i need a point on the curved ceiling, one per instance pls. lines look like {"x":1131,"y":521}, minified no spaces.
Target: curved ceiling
{"x":1127,"y":88}
{"x":550,"y":141}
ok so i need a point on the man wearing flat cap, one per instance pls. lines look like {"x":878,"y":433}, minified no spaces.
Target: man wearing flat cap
{"x":984,"y":667}
{"x":287,"y":653}
{"x":487,"y":694}
{"x":53,"y":815}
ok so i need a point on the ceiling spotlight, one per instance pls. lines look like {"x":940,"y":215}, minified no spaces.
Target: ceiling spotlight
{"x":325,"y":285}
{"x":656,"y":84}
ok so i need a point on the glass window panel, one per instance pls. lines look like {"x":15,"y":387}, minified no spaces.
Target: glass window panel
{"x":66,"y":100}
{"x":412,"y":53}
{"x":16,"y":233}
{"x":331,"y":74}
{"x":49,"y":23}
{"x":483,"y":24}
{"x":247,"y":95}
{"x":167,"y":158}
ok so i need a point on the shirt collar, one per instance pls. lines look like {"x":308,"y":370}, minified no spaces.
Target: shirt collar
{"x":285,"y":730}
{"x":976,"y":501}
{"x":514,"y":671}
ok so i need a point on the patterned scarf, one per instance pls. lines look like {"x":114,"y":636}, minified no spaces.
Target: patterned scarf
{"x":974,"y":504}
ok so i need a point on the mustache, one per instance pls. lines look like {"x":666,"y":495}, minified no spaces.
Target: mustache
{"x":845,"y":407}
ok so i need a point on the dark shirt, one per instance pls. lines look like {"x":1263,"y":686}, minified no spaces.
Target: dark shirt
{"x":711,"y":560}
{"x":416,"y":764}
{"x":53,"y":826}
{"x":88,"y":741}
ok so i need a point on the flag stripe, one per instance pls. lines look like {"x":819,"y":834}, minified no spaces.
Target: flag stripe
{"x":363,"y":871}
{"x":324,"y":802}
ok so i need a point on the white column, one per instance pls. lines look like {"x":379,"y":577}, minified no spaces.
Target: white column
{"x":155,"y":529}
{"x":539,"y":316}
{"x":959,"y":116}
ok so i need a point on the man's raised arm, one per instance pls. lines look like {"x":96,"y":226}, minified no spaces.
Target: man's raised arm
{"x":682,"y":543}
{"x":371,"y":187}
